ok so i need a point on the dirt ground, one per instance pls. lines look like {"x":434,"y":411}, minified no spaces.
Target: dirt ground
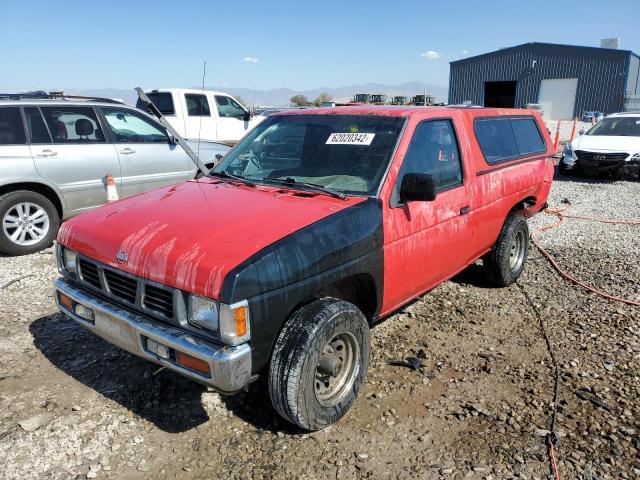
{"x":73,"y":406}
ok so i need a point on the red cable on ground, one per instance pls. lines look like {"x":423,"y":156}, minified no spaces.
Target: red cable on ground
{"x":561,"y":216}
{"x":552,"y":456}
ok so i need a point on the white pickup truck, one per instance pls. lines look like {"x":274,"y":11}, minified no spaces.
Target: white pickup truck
{"x":204,"y":114}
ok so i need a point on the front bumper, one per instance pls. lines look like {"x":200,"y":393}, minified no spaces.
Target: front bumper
{"x":594,"y":167}
{"x":229,"y":367}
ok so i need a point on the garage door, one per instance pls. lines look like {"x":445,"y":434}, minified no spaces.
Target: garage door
{"x":558,"y":98}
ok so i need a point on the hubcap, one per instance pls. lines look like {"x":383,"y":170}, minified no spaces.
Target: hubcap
{"x":337,"y":369}
{"x":25,"y":223}
{"x":516,"y":254}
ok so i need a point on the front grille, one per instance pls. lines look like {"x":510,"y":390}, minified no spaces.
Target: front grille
{"x":89,"y":273}
{"x":600,"y":159}
{"x":135,"y":292}
{"x":158,"y":300}
{"x":121,"y":286}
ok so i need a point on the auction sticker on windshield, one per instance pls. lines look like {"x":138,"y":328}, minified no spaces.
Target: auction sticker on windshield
{"x":350,"y":138}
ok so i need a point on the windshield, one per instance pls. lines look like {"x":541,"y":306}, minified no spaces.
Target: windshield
{"x":346,"y":153}
{"x":620,"y":126}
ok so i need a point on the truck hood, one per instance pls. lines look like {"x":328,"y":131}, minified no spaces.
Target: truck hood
{"x":604,"y":143}
{"x":190,"y":235}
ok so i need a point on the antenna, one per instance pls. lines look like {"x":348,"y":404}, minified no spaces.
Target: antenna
{"x":204,"y":74}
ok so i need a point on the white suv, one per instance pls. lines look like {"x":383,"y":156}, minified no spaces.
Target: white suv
{"x":611,"y":146}
{"x":55,"y":154}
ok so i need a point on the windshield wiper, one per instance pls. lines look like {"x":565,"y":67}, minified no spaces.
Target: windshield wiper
{"x":231,"y":176}
{"x":306,"y":186}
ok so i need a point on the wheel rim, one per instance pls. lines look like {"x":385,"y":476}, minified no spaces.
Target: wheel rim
{"x":516,"y":254}
{"x":337,"y":369}
{"x":25,"y":223}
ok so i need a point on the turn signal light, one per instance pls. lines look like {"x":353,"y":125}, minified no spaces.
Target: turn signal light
{"x":241,"y":321}
{"x":66,"y":301}
{"x":192,"y":363}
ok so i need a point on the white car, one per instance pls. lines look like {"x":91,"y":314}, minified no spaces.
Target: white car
{"x":203,"y":114}
{"x":611,"y":146}
{"x":56,"y":152}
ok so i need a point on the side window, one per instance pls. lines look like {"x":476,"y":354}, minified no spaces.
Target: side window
{"x":38,"y":132}
{"x":129,"y":126}
{"x":528,"y":138}
{"x":502,"y":139}
{"x":434,"y":150}
{"x":11,"y":127}
{"x":228,"y":107}
{"x":496,"y":139}
{"x":197,"y":105}
{"x":73,"y":124}
{"x":162,"y":100}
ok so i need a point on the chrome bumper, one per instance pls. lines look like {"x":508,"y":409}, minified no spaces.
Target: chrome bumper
{"x":230,"y":367}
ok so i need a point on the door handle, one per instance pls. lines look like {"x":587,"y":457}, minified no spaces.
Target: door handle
{"x":127,"y":151}
{"x":465,"y":210}
{"x":46,"y":153}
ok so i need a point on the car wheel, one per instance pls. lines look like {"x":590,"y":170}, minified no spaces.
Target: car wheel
{"x":319,"y":363}
{"x":29,"y":222}
{"x":505,"y":262}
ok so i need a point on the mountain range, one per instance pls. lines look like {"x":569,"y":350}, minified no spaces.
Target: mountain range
{"x":279,"y":97}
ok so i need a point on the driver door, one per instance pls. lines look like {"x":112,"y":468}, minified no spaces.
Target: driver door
{"x":148,"y":159}
{"x":427,"y":242}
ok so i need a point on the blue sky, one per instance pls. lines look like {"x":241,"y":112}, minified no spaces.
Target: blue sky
{"x":270,"y":44}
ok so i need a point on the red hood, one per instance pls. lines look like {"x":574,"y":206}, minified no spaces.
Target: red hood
{"x":191,"y":235}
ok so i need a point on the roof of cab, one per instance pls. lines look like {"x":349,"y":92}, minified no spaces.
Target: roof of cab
{"x":405,"y":111}
{"x":185,"y":90}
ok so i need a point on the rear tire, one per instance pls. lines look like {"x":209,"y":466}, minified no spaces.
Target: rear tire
{"x":319,"y":363}
{"x":505,"y":262}
{"x":28,"y":222}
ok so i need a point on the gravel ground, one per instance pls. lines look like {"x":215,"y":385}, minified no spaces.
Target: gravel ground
{"x":72,"y":406}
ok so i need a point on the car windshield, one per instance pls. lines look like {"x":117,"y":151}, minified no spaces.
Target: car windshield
{"x":344,"y":153}
{"x":617,"y":126}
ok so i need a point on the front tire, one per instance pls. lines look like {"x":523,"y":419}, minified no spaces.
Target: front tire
{"x":505,"y":262}
{"x":319,"y":363}
{"x":29,"y":222}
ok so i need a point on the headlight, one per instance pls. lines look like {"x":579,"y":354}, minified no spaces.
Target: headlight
{"x":203,"y":312}
{"x":70,"y":259}
{"x":231,"y":322}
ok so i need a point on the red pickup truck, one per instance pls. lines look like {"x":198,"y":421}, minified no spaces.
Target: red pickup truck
{"x":316,"y":225}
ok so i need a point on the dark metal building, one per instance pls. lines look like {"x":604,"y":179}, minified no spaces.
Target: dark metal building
{"x":567,"y":80}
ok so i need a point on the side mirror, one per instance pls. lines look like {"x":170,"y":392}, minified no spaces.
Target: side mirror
{"x":247,"y":116}
{"x":417,"y":186}
{"x":171,"y":139}
{"x":581,"y":131}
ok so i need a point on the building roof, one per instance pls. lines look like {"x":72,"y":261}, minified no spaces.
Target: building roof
{"x":544,"y":45}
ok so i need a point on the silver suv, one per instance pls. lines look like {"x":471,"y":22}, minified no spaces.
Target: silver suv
{"x":55,"y":155}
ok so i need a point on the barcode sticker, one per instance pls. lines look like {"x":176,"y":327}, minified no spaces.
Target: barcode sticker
{"x":350,"y":138}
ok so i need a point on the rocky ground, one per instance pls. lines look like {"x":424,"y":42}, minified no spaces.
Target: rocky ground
{"x":72,"y":406}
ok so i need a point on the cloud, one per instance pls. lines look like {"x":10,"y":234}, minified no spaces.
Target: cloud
{"x":464,"y":52}
{"x":251,"y":59}
{"x":431,"y":55}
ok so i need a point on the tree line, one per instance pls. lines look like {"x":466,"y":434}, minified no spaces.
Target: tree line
{"x":302,"y":101}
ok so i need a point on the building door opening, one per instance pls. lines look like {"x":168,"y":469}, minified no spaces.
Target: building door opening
{"x":500,"y":94}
